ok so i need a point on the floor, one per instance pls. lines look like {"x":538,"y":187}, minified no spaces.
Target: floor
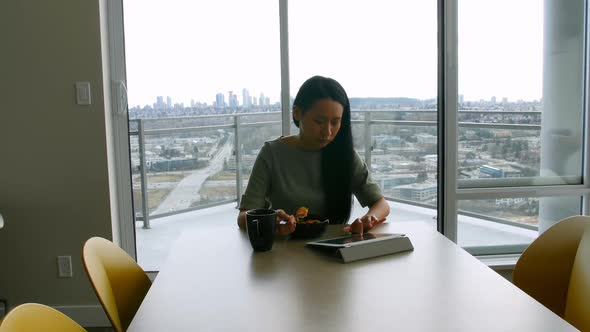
{"x":154,"y":244}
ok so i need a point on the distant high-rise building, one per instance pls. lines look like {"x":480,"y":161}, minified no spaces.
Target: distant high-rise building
{"x":169,"y":102}
{"x":493,"y":100}
{"x":159,"y":103}
{"x":245,"y":98}
{"x":232,"y":99}
{"x":504,"y":100}
{"x":461,"y":99}
{"x":261,"y":99}
{"x":220,"y":100}
{"x":254,"y":101}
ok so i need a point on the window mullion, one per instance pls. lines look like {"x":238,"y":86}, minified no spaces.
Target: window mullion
{"x":447,"y":118}
{"x":586,"y":159}
{"x":123,"y":220}
{"x":285,"y":90}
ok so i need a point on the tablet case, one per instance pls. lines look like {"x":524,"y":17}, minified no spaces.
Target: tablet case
{"x":374,"y":249}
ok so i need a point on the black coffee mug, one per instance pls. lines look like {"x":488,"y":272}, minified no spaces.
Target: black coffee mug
{"x":261,"y":226}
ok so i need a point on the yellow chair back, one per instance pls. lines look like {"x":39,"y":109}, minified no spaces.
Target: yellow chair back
{"x":119,"y":282}
{"x":32,"y":317}
{"x":577,"y":308}
{"x":544,"y":270}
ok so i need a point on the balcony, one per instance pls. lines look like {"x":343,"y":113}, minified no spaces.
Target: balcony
{"x":187,"y":169}
{"x":153,"y":244}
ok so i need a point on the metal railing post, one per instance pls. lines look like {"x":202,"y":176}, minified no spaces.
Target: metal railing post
{"x":368,"y":142}
{"x":238,"y":153}
{"x":142,"y":170}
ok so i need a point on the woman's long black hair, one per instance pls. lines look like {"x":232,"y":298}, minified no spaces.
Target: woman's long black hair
{"x":337,"y":157}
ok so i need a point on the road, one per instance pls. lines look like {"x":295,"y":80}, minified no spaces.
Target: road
{"x":187,"y":190}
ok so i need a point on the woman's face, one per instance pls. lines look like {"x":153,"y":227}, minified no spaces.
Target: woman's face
{"x":320,"y":124}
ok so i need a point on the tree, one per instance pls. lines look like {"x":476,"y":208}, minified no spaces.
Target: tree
{"x":517,"y":147}
{"x":421,"y":177}
{"x":504,"y":151}
{"x":169,"y":153}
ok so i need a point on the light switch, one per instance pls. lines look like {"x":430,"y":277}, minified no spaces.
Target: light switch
{"x":83,"y":93}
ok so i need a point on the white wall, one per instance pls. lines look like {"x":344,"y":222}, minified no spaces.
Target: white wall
{"x":54,"y":189}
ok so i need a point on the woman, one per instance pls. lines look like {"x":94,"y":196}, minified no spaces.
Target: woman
{"x":317,"y":168}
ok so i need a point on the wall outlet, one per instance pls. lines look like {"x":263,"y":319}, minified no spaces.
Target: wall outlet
{"x":64,"y":266}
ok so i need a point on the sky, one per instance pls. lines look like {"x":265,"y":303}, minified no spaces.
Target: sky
{"x":192,"y":50}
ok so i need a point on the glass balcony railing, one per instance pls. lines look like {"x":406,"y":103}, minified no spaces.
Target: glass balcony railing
{"x":187,"y":168}
{"x":182,"y":164}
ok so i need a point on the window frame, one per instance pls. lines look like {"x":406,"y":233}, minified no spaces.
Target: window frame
{"x":447,"y":76}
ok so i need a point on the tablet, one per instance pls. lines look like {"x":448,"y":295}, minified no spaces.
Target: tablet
{"x":353,"y":240}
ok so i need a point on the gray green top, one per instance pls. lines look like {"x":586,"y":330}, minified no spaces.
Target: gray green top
{"x":287,"y":178}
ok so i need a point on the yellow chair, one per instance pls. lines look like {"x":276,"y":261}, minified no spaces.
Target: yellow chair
{"x":577,"y":308}
{"x":119,"y":282}
{"x":31,"y":317}
{"x":555,"y":270}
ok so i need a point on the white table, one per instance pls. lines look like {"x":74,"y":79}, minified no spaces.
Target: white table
{"x":213,"y":281}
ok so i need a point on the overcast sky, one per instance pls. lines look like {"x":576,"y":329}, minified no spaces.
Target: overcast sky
{"x":375,"y":48}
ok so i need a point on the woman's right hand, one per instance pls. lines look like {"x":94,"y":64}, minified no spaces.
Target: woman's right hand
{"x":363,"y":224}
{"x":288,"y":226}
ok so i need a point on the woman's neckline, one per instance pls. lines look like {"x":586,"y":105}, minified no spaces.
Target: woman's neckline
{"x":292,"y":143}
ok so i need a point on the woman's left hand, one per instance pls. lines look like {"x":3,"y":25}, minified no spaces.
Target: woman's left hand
{"x":363,"y":224}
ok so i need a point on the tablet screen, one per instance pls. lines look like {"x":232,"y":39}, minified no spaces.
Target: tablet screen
{"x":353,"y":238}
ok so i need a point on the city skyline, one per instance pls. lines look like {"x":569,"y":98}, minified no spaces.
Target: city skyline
{"x":254,"y":101}
{"x":194,"y":51}
{"x":218,"y":100}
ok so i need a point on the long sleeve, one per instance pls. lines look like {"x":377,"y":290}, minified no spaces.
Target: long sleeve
{"x":257,"y":191}
{"x":364,"y":189}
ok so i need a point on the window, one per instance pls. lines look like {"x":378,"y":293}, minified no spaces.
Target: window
{"x":200,"y":76}
{"x":520,"y":113}
{"x":516,"y":120}
{"x":204,"y":88}
{"x":390,"y":77}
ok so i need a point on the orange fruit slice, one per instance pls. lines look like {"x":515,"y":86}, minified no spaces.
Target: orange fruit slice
{"x":301,"y":213}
